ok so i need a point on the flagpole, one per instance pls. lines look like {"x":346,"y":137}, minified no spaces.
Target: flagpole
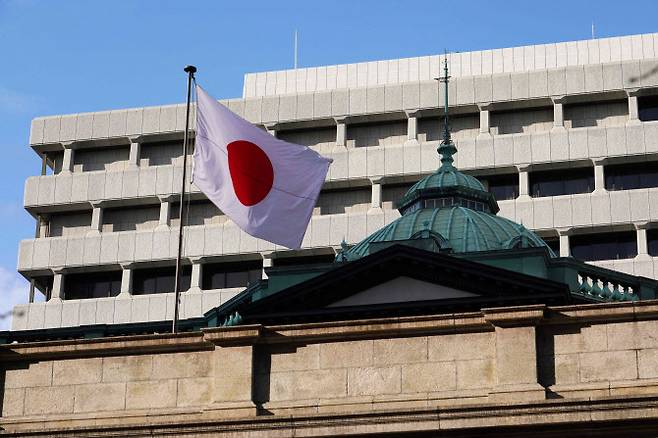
{"x":190,"y":70}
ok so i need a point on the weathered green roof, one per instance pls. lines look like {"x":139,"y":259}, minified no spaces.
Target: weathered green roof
{"x":459,"y":228}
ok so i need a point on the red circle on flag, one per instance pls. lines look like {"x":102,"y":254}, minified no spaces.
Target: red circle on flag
{"x":251,"y":172}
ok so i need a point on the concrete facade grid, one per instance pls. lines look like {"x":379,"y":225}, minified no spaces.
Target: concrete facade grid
{"x":517,"y":110}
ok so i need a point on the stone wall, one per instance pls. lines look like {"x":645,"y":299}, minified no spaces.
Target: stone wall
{"x":519,"y":358}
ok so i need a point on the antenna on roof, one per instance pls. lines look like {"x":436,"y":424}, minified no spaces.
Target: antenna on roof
{"x":446,"y":148}
{"x":295,"y":55}
{"x":593,"y":36}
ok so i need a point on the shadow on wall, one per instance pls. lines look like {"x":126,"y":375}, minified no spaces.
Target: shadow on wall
{"x":547,"y":371}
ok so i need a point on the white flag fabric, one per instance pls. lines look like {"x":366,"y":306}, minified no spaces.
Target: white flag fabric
{"x":266,"y":186}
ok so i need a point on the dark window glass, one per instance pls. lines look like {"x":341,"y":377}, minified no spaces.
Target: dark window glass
{"x":553,"y":243}
{"x":225,"y":275}
{"x":304,"y":261}
{"x":92,"y":285}
{"x":652,"y":242}
{"x":605,"y":246}
{"x":631,"y":176}
{"x":160,"y":280}
{"x":44,"y":284}
{"x":562,"y":182}
{"x":647,"y":108}
{"x":503,"y":187}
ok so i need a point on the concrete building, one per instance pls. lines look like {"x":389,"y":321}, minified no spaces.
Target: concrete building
{"x":447,"y":318}
{"x":563,"y":134}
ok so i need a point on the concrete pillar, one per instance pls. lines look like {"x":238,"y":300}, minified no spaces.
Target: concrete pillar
{"x":44,"y":226}
{"x":524,"y":181}
{"x":271,"y":129}
{"x":565,"y":249}
{"x":633,"y":110}
{"x":558,"y":112}
{"x":267,"y":263}
{"x":126,"y":280}
{"x":341,"y":131}
{"x":642,"y":243}
{"x":485,"y":119}
{"x":96,"y":219}
{"x":516,"y":376}
{"x":69,"y":156}
{"x":57,"y":293}
{"x":197,"y":275}
{"x":233,"y":388}
{"x":135,"y":152}
{"x":599,"y":176}
{"x":376,"y":194}
{"x":165,"y":213}
{"x":412,"y":128}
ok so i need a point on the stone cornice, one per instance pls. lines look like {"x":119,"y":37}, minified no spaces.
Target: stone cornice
{"x":207,"y":339}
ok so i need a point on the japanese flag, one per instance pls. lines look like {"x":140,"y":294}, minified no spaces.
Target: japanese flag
{"x":266,"y":186}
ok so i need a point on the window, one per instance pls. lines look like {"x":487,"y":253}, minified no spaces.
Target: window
{"x":304,"y":260}
{"x":652,"y":242}
{"x":160,"y":280}
{"x":92,"y":285}
{"x":227,"y":275}
{"x":631,"y":176}
{"x":604,"y":246}
{"x":647,"y":108}
{"x":503,"y":187}
{"x":553,"y":243}
{"x":561,"y":182}
{"x":44,"y":284}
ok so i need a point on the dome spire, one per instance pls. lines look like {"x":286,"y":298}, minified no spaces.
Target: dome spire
{"x":447,"y":148}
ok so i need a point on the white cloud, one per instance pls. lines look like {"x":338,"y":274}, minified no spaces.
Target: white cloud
{"x":13,"y":290}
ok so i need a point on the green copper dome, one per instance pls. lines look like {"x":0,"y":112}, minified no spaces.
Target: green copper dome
{"x":455,"y":229}
{"x":449,"y":211}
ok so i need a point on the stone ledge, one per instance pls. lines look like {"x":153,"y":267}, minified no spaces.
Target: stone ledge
{"x":545,"y":415}
{"x":122,"y":345}
{"x":515,"y":316}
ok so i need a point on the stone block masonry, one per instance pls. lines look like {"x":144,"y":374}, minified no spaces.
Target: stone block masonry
{"x":478,"y":365}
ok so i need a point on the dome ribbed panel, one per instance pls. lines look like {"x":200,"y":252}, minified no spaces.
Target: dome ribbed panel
{"x":467,"y":230}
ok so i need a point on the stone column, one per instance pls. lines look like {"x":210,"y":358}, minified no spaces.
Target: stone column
{"x":558,"y":112}
{"x":267,"y":263}
{"x":197,"y":275}
{"x":565,"y":249}
{"x":135,"y":151}
{"x":165,"y":213}
{"x":376,"y":194}
{"x":642,"y":242}
{"x":96,"y":218}
{"x":633,"y":110}
{"x":599,"y":175}
{"x":412,"y":128}
{"x":44,"y":228}
{"x":235,"y":381}
{"x":341,"y":131}
{"x":69,"y":157}
{"x":516,"y":376}
{"x":485,"y":119}
{"x":57,"y":293}
{"x":126,"y":280}
{"x":271,"y":129}
{"x":524,"y":181}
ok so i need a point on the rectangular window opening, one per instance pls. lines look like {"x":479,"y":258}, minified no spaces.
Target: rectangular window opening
{"x":604,"y":246}
{"x":631,"y":176}
{"x":561,"y":182}
{"x":231,"y":274}
{"x":92,"y":285}
{"x":160,"y":280}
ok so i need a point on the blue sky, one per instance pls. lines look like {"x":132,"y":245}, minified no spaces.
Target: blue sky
{"x":80,"y":55}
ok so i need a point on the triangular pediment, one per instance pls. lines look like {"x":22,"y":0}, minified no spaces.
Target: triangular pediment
{"x":398,"y":280}
{"x":402,"y":290}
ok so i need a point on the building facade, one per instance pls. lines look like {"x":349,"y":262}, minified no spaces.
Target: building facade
{"x":563,"y":135}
